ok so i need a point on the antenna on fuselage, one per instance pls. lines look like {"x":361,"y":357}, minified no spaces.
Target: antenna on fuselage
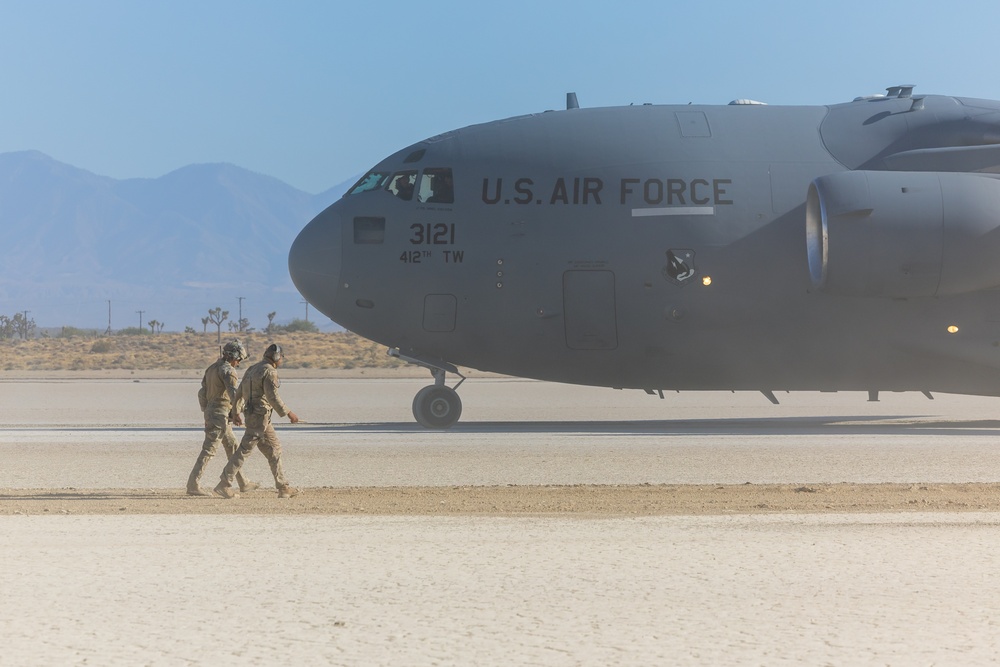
{"x":571,"y":102}
{"x":904,"y":91}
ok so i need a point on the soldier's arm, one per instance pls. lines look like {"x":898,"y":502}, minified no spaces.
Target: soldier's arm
{"x":271,"y":392}
{"x":203,"y":395}
{"x":239,"y":402}
{"x":229,"y":380}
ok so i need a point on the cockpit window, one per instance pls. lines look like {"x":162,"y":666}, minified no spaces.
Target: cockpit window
{"x":436,"y":186}
{"x":369,"y":181}
{"x":402,"y":183}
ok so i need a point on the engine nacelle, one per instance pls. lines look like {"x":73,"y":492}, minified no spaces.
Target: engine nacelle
{"x":903,"y":234}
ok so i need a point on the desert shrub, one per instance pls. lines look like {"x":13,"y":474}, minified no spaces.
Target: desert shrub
{"x":300,"y":325}
{"x":73,"y":332}
{"x":102,"y":346}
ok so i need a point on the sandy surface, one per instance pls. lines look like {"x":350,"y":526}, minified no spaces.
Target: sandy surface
{"x":911,"y":589}
{"x":552,"y":526}
{"x":579,"y":500}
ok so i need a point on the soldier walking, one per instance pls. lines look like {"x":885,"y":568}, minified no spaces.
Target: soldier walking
{"x":217,"y":396}
{"x":257,"y":396}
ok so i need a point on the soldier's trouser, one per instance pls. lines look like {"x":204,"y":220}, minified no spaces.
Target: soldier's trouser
{"x":216,"y":428}
{"x":266,"y":440}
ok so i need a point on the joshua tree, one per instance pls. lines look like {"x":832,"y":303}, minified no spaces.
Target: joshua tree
{"x":18,"y":325}
{"x":217,"y":316}
{"x":241,"y":326}
{"x":152,"y":326}
{"x":204,"y":325}
{"x":270,"y":320}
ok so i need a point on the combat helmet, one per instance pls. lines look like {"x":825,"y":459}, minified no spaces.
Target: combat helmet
{"x":274,"y":353}
{"x":234,"y":350}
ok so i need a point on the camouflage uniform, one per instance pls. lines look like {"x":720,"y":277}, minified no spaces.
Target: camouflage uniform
{"x":216,"y":396}
{"x":257,"y":396}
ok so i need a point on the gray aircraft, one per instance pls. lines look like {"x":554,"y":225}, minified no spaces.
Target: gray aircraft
{"x":854,"y":246}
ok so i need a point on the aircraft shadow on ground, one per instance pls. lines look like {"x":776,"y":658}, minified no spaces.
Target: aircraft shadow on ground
{"x":840,"y":425}
{"x":828,"y":425}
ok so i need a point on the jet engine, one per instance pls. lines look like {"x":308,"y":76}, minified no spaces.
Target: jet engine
{"x":903,"y":234}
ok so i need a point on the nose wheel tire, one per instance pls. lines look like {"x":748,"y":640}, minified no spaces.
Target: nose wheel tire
{"x":437,"y":407}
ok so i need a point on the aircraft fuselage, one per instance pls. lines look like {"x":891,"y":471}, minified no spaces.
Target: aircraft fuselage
{"x":683,"y":247}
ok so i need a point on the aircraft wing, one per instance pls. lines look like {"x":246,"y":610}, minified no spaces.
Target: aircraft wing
{"x":953,"y":158}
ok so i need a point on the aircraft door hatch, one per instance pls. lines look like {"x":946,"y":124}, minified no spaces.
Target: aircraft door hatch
{"x":439,"y":312}
{"x":589,"y":307}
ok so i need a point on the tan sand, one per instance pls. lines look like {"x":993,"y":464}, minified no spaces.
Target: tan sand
{"x":578,"y":500}
{"x":863,"y":589}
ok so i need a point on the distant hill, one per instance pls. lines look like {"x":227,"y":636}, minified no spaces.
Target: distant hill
{"x":173,"y":247}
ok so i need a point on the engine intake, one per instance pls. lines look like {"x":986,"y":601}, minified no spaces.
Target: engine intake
{"x":903,"y":234}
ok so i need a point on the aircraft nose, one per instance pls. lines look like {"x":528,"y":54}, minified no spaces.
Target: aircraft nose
{"x":314,"y":260}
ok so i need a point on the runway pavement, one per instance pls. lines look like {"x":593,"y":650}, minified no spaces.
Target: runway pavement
{"x":758,"y":587}
{"x":140,"y":434}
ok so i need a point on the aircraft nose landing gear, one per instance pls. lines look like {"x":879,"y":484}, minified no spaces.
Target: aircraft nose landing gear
{"x":435,"y":406}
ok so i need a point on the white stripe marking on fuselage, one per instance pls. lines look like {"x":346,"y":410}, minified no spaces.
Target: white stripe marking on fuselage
{"x":673,"y":210}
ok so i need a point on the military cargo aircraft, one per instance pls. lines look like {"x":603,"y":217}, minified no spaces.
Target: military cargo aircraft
{"x":854,"y":246}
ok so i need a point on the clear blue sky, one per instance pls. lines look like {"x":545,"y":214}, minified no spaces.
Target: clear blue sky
{"x":315,"y":92}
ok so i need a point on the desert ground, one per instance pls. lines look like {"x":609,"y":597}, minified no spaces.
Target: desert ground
{"x":553,"y":525}
{"x":79,"y":354}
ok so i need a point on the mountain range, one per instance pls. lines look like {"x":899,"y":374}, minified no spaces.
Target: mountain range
{"x":168,"y":248}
